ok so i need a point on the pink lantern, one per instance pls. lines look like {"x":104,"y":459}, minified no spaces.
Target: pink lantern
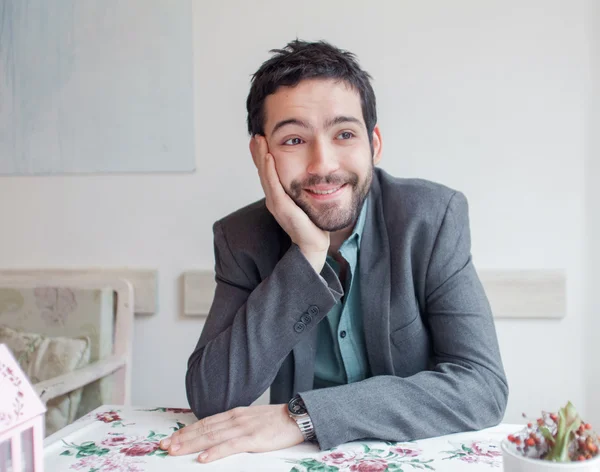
{"x":21,"y":419}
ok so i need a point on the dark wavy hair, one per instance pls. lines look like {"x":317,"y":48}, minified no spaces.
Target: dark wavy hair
{"x":300,"y":60}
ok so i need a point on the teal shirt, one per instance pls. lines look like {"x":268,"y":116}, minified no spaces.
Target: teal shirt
{"x":341,"y":353}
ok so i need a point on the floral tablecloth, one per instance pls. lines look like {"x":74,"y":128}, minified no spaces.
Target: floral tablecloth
{"x":125,"y":439}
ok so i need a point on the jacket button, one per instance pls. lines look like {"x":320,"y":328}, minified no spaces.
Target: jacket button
{"x":313,"y":310}
{"x":299,"y":327}
{"x":342,"y":334}
{"x":306,"y":318}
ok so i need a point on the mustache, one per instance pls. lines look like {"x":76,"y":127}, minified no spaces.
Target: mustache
{"x":331,"y":179}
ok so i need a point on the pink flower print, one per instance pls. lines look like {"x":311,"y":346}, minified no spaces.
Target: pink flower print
{"x":87,"y":463}
{"x":120,"y":440}
{"x":339,"y":458}
{"x":114,"y":462}
{"x":406,"y":452}
{"x":140,"y":449}
{"x":56,"y":304}
{"x":5,"y":418}
{"x":108,"y":417}
{"x":486,"y":449}
{"x":369,"y":465}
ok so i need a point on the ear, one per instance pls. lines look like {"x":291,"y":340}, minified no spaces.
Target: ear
{"x":252,"y":146}
{"x":377,"y":145}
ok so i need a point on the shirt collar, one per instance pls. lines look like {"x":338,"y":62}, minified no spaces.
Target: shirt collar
{"x":360,"y":224}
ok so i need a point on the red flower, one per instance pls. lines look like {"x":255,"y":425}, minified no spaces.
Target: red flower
{"x":485,"y":449}
{"x":120,"y":440}
{"x":178,"y":410}
{"x":370,"y":465}
{"x":406,"y":452}
{"x":108,"y":417}
{"x":338,"y":458}
{"x":140,"y":449}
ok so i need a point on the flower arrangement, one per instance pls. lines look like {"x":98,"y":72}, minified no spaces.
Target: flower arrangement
{"x":557,"y":437}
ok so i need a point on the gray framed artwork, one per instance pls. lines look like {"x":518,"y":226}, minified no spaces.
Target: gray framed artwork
{"x":91,"y":86}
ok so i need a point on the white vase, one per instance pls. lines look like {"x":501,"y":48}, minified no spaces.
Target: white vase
{"x":513,"y":462}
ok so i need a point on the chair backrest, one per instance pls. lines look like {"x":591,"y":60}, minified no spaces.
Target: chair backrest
{"x":93,"y":305}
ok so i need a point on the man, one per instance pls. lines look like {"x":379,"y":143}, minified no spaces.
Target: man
{"x":350,"y":293}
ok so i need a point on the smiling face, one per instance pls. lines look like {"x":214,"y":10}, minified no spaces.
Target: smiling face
{"x":319,"y":140}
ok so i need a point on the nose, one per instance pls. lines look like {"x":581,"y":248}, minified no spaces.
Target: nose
{"x":322,"y":159}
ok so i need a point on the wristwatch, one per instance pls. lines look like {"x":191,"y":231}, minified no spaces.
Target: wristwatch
{"x":297,"y":411}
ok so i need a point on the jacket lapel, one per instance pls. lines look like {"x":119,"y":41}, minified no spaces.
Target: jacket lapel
{"x":374,"y":272}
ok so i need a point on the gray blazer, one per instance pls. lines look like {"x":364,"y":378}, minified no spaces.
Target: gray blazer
{"x":430,"y":336}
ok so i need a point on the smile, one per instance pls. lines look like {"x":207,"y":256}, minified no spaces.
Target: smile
{"x":325,"y":193}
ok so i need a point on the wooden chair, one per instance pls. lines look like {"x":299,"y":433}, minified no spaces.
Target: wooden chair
{"x":94,"y":307}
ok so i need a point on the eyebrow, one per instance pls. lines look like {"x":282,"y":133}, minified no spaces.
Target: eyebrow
{"x":328,"y":124}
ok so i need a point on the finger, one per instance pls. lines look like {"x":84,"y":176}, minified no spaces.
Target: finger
{"x":205,"y":441}
{"x":225,"y":449}
{"x":254,"y":150}
{"x":208,"y":429}
{"x":199,"y":427}
{"x":271,"y":179}
{"x":258,"y":148}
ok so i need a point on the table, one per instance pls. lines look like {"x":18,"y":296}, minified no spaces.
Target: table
{"x":125,"y":439}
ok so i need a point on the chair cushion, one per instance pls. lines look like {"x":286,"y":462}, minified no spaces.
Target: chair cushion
{"x":43,"y":358}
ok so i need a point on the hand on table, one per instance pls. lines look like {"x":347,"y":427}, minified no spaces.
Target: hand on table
{"x":312,"y":241}
{"x":258,"y":428}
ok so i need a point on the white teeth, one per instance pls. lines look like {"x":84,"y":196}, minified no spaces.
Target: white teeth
{"x":325,"y":192}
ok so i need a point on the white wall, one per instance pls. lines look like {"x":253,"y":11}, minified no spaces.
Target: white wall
{"x":487,"y":97}
{"x":593,"y":226}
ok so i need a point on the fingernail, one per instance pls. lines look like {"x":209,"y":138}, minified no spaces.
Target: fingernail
{"x":203,"y":457}
{"x":165,"y":443}
{"x":175,"y":447}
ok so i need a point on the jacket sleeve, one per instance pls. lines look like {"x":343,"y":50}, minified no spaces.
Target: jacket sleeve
{"x":251,"y":328}
{"x":465,"y":389}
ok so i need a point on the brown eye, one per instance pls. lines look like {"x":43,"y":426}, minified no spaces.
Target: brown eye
{"x":293,"y":142}
{"x":345,"y":135}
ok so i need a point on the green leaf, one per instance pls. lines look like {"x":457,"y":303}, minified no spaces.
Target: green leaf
{"x":467,"y":449}
{"x":377,"y":451}
{"x":81,"y":454}
{"x":394,"y":467}
{"x":66,"y":453}
{"x":179,"y":426}
{"x":87,"y":444}
{"x":547,"y":434}
{"x":366,"y":448}
{"x":295,"y":469}
{"x":310,"y":462}
{"x":568,"y":422}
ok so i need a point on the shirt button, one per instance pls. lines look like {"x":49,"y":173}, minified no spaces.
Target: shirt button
{"x":306,"y":318}
{"x":299,"y":327}
{"x":313,"y":310}
{"x":342,"y":334}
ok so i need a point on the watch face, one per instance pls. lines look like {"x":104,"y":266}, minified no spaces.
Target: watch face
{"x":296,"y":406}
